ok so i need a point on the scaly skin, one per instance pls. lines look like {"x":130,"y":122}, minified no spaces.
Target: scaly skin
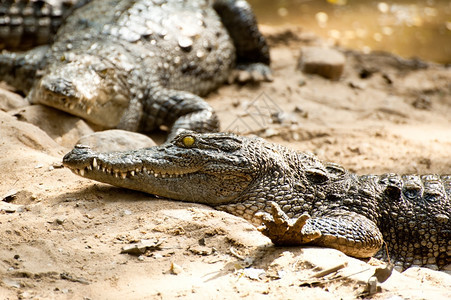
{"x":138,"y":65}
{"x":328,"y":206}
{"x":27,"y":23}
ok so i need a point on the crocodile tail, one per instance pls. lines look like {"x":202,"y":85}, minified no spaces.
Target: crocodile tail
{"x":26,"y":23}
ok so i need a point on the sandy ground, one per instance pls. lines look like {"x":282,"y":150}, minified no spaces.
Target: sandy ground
{"x":61,"y":235}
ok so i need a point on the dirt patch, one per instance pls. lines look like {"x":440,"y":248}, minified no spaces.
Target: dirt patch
{"x":64,"y":237}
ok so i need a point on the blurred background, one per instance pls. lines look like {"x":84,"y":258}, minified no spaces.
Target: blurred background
{"x":409,"y":28}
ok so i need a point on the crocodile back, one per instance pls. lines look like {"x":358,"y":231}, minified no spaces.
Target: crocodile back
{"x":414,"y":218}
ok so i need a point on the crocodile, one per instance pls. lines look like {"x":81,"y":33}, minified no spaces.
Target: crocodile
{"x":29,"y":23}
{"x":141,"y":65}
{"x":292,"y":196}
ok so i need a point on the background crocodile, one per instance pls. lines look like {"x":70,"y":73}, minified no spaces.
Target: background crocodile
{"x":28,"y":23}
{"x":138,"y":65}
{"x":328,"y":205}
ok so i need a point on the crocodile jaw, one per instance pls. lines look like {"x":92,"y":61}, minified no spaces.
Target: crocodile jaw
{"x":152,"y":175}
{"x":78,"y":89}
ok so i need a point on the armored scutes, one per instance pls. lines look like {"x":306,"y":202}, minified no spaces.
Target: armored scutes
{"x":328,"y":206}
{"x":138,"y":65}
{"x":28,"y":23}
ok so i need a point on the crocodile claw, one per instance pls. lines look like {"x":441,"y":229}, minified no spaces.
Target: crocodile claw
{"x":254,"y":72}
{"x":285,"y":231}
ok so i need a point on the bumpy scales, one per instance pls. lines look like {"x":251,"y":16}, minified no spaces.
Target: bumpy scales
{"x":141,"y":64}
{"x":299,"y":199}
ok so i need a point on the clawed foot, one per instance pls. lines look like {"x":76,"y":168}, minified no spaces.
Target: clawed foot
{"x":255,"y":72}
{"x":285,"y":231}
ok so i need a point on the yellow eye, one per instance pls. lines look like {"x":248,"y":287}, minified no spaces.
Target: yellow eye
{"x":188,"y":141}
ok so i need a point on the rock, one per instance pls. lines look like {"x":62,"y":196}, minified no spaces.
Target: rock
{"x":10,"y":207}
{"x":175,"y":269}
{"x":116,"y":140}
{"x":253,"y":273}
{"x":201,"y":250}
{"x":65,"y":129}
{"x":18,"y":197}
{"x":326,"y":62}
{"x":141,"y":247}
{"x":23,"y":146}
{"x":10,"y":100}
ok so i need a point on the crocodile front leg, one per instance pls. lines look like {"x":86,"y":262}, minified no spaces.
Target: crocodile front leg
{"x":178,"y":110}
{"x":252,"y":51}
{"x":351,"y":233}
{"x":20,"y":70}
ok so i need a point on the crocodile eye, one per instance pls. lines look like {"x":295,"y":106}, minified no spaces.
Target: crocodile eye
{"x":188,"y":141}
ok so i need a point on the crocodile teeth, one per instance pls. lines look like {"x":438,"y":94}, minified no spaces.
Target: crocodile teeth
{"x":132,"y":173}
{"x":89,"y":168}
{"x":89,"y":110}
{"x":82,"y":172}
{"x":76,"y":171}
{"x":156,"y":174}
{"x":116,"y":174}
{"x":94,"y":163}
{"x":123,"y":175}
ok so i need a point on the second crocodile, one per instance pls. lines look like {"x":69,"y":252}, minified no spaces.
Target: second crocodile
{"x":139,"y":65}
{"x":328,"y":206}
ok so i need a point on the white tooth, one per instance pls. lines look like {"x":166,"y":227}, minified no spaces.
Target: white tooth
{"x":123,"y":175}
{"x":137,"y":170}
{"x":163,"y":175}
{"x":94,"y":163}
{"x":72,"y":105}
{"x":89,"y":110}
{"x":103,"y":169}
{"x":170,"y":175}
{"x":98,"y":168}
{"x":156,"y":174}
{"x":82,"y":172}
{"x":132,"y":173}
{"x":76,"y":171}
{"x":116,"y":174}
{"x":144,"y":169}
{"x":89,"y":168}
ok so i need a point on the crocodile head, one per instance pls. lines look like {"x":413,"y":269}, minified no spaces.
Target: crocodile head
{"x":212,"y":168}
{"x":86,"y":86}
